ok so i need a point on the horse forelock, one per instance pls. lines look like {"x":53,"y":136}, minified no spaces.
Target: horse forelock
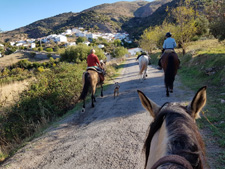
{"x":183,"y":136}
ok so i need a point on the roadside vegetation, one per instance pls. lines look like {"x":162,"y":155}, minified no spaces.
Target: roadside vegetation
{"x":201,"y":49}
{"x":54,"y":90}
{"x":56,"y":84}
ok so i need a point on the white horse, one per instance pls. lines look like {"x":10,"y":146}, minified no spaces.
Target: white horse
{"x":143,"y":65}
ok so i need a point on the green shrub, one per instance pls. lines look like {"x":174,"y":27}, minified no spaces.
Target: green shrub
{"x":40,"y":49}
{"x":36,"y":64}
{"x":79,"y":53}
{"x":119,"y":52}
{"x":16,"y":71}
{"x":32,"y":54}
{"x":23,"y":64}
{"x":49,"y":49}
{"x":5,"y":72}
{"x":49,"y":55}
{"x":50,"y":96}
{"x":41,"y":69}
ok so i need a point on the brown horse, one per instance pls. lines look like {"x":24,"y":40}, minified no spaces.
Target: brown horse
{"x":174,"y":140}
{"x":90,"y":81}
{"x":170,"y":64}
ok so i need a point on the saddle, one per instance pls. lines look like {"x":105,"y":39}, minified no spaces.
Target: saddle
{"x":95,"y":69}
{"x":100,"y":72}
{"x":169,"y":51}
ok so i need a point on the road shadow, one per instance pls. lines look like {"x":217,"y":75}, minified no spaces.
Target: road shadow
{"x":128,"y":103}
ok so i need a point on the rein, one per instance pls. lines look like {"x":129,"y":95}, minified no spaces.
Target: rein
{"x":176,"y":159}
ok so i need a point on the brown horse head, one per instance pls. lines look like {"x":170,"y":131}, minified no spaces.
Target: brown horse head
{"x":174,"y":131}
{"x":170,"y":64}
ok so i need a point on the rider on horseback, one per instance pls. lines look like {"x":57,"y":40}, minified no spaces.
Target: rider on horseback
{"x":93,"y":62}
{"x":168,"y":47}
{"x":144,"y":53}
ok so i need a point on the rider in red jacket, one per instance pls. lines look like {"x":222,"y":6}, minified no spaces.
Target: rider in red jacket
{"x":93,"y":61}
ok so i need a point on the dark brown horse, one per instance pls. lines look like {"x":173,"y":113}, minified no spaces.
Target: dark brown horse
{"x":173,"y":140}
{"x":90,"y":81}
{"x":170,"y":64}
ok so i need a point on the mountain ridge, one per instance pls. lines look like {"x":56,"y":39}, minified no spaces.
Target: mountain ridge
{"x":107,"y":17}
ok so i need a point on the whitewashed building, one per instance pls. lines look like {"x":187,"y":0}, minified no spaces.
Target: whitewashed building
{"x":60,"y":38}
{"x":33,"y":45}
{"x":133,"y":51}
{"x":86,"y":43}
{"x":12,"y":43}
{"x":71,"y":44}
{"x":101,"y":46}
{"x":68,"y":32}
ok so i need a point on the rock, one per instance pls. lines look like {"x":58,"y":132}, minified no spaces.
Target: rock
{"x":222,"y":101}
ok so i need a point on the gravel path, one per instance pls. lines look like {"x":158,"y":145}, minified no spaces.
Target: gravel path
{"x":109,"y":136}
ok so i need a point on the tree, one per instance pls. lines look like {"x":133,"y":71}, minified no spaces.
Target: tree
{"x":117,"y":42}
{"x":186,"y":24}
{"x":216,"y":16}
{"x":154,"y":37}
{"x":119,"y":52}
{"x":79,"y":53}
{"x":202,"y":25}
{"x":81,"y":40}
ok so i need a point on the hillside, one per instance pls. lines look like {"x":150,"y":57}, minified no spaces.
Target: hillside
{"x":106,"y":18}
{"x":137,"y":25}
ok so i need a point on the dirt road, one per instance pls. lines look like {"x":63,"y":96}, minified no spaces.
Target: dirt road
{"x":109,"y":136}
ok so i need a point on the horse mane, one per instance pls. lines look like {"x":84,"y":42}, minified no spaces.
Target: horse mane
{"x":184,"y":141}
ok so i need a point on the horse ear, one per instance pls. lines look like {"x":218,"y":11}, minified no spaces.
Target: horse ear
{"x":197,"y":103}
{"x":148,"y":104}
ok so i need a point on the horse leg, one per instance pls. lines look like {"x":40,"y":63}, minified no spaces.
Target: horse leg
{"x":167,"y":92}
{"x":92,"y":100}
{"x":145,"y":74}
{"x":101,"y":90}
{"x":171,"y":88}
{"x":83,"y":109}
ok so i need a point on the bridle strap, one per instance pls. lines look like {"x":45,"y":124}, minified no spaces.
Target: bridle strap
{"x":176,"y":159}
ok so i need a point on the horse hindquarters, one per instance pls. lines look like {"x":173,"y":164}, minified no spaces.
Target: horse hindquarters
{"x":143,"y":64}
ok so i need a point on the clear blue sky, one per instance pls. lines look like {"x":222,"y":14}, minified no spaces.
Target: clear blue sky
{"x":18,"y":13}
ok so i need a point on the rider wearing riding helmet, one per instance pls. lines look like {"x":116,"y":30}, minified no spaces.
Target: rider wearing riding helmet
{"x":168,"y":46}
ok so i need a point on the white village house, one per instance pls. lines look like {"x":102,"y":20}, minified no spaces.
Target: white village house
{"x":133,"y":51}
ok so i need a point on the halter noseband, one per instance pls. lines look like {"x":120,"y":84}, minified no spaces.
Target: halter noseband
{"x":176,"y":159}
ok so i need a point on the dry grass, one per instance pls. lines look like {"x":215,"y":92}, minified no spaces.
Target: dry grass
{"x":8,"y":60}
{"x":9,"y":93}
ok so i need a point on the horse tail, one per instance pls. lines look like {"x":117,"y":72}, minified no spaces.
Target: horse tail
{"x":87,"y":83}
{"x":170,"y":71}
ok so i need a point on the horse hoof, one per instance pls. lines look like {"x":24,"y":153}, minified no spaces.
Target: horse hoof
{"x":93,"y":106}
{"x":83,"y":110}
